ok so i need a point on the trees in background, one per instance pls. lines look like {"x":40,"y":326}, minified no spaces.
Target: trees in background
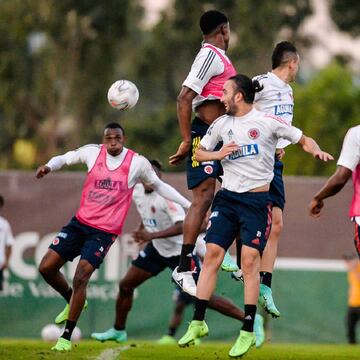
{"x":60,"y":57}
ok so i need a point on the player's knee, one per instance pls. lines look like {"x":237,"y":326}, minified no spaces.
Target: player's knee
{"x":213,"y":257}
{"x":45,"y":269}
{"x":125,"y":289}
{"x":277,"y":225}
{"x":248,"y":264}
{"x":80,"y":281}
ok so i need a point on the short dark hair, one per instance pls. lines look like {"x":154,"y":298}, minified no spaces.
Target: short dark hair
{"x":2,"y":201}
{"x":282,"y":53}
{"x":246,"y":86}
{"x":210,"y":20}
{"x":156,"y":163}
{"x":114,"y":125}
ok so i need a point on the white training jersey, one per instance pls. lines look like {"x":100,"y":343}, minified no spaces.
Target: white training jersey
{"x":206,"y":65}
{"x":158,"y":214}
{"x":256,"y":134}
{"x":277,"y":99}
{"x":6,"y":238}
{"x":140,"y":168}
{"x":350,"y":152}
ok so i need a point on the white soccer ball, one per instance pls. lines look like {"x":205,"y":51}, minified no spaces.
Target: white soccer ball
{"x":123,"y":95}
{"x":50,"y":332}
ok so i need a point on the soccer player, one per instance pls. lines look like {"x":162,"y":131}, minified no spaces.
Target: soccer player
{"x":276,"y":98}
{"x":348,"y":166}
{"x":6,"y":243}
{"x":242,"y":205}
{"x":161,"y":231}
{"x":113,"y":171}
{"x":201,"y":92}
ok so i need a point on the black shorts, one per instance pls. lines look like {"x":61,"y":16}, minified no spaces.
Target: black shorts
{"x":277,"y":188}
{"x":245,"y":214}
{"x":151,"y":261}
{"x":77,"y":238}
{"x":198,"y":172}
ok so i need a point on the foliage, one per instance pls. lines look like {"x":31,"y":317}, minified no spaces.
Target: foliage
{"x":325,"y":108}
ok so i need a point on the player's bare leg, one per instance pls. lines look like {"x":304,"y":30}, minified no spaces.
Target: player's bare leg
{"x":49,"y":268}
{"x":268,"y":261}
{"x":133,"y":278}
{"x":82,"y":275}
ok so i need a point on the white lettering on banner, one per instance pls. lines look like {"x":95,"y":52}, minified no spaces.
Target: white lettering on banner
{"x":115,"y":263}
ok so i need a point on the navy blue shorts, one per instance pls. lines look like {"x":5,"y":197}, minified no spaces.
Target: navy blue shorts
{"x":277,"y":188}
{"x":77,"y":238}
{"x":151,"y":261}
{"x":198,"y":172}
{"x":246,"y":214}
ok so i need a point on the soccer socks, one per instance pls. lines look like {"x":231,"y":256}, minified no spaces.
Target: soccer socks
{"x":119,"y":328}
{"x":69,"y":328}
{"x":172,"y":331}
{"x":200,"y":309}
{"x":250,"y":311}
{"x":185,"y":257}
{"x":266,"y":278}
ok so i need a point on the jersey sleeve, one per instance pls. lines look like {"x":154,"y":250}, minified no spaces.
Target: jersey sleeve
{"x":212,"y":136}
{"x":350,"y":152}
{"x":145,"y":171}
{"x":174,"y":210}
{"x":206,"y":65}
{"x":84,"y":155}
{"x":282,"y":130}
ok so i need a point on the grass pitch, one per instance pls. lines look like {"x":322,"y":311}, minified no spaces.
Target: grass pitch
{"x":137,"y":350}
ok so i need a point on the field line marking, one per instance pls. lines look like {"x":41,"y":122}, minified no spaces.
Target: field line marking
{"x":110,"y":354}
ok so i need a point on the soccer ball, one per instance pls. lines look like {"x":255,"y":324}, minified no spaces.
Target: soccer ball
{"x":50,"y":332}
{"x":123,"y":95}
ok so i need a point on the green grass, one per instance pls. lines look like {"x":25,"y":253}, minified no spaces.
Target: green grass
{"x":137,"y":350}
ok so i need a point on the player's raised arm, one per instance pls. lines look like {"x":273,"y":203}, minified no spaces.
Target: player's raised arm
{"x":184,"y":111}
{"x":309,"y":145}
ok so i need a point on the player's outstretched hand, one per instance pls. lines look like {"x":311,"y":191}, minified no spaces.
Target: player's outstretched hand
{"x":280,"y":153}
{"x":227,"y":149}
{"x":42,"y":171}
{"x":181,"y":153}
{"x":315,"y":207}
{"x":322,"y":155}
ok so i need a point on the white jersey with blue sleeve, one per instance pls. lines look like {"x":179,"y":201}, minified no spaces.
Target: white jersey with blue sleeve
{"x":256,"y":134}
{"x":276,"y":98}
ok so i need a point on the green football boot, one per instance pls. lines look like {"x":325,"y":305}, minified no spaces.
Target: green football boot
{"x":229,"y":264}
{"x":196,"y":329}
{"x":63,"y":316}
{"x":166,"y":340}
{"x":243,"y":344}
{"x":119,"y":336}
{"x":62,"y":345}
{"x":267,"y":302}
{"x":259,"y":330}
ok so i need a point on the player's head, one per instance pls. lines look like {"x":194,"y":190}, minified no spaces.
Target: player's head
{"x":285,"y":55}
{"x":156,"y":165}
{"x":239,"y":89}
{"x":214,"y":23}
{"x":114,"y":138}
{"x":2,"y":201}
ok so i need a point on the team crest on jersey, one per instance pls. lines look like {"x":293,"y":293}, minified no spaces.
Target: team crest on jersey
{"x":56,"y":241}
{"x":208,"y":169}
{"x":153,"y":210}
{"x":253,"y":133}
